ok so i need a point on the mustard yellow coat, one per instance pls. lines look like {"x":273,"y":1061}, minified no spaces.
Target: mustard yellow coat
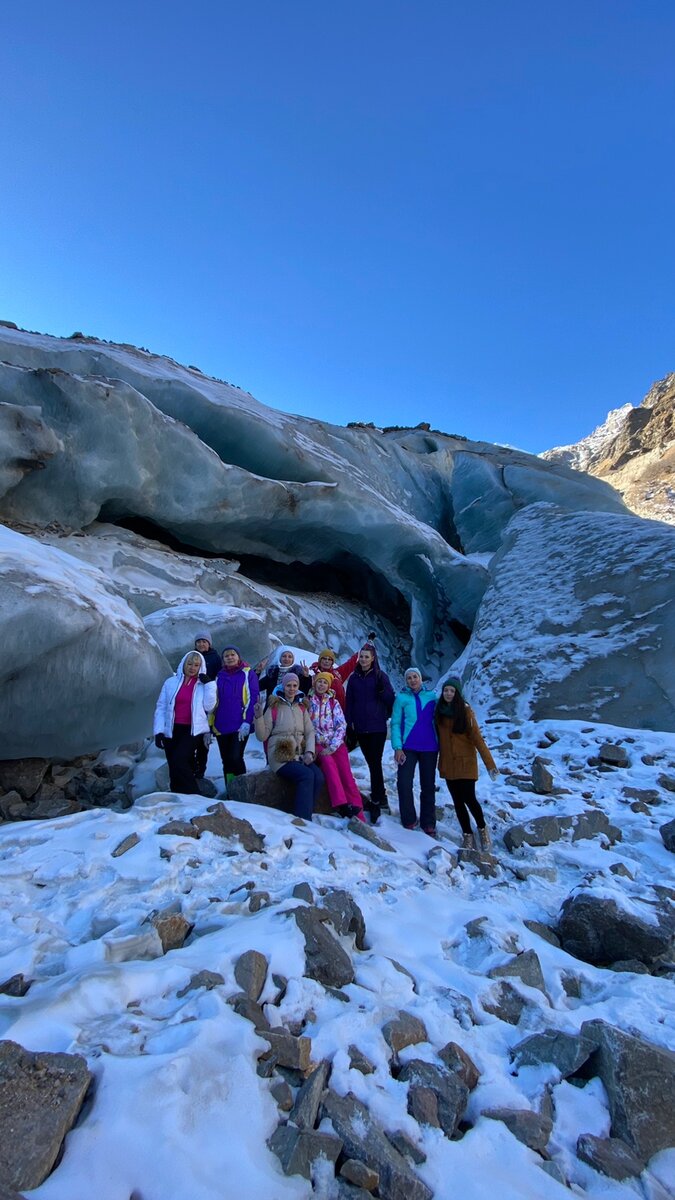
{"x":457,"y":757}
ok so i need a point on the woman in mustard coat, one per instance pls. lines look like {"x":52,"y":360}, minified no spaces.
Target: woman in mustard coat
{"x":459,"y":738}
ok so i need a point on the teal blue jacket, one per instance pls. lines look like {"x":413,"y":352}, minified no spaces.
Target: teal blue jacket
{"x":412,"y":721}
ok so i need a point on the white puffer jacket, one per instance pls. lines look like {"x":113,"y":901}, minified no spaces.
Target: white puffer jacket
{"x":203,"y":701}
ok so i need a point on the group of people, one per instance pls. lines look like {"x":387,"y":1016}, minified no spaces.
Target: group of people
{"x":310,"y":717}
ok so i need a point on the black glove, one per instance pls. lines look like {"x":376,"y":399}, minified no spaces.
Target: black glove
{"x":203,"y":678}
{"x":371,"y":635}
{"x":159,"y":741}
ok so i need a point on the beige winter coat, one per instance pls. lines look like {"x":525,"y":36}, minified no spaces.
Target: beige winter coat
{"x":457,"y":757}
{"x":288,"y":731}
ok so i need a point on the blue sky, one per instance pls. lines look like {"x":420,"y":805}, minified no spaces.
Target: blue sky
{"x":453,"y":212}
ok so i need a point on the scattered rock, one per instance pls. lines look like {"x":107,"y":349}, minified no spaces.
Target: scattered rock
{"x":361,"y":829}
{"x":610,"y":1156}
{"x":450,"y":1091}
{"x":172,"y":929}
{"x":541,"y":831}
{"x":598,"y":931}
{"x":529,"y":1127}
{"x":288,"y":1051}
{"x":459,"y":1063}
{"x":13,"y":807}
{"x":551,"y":1168}
{"x":345,"y":915}
{"x":423,"y":1105}
{"x":543,"y":931}
{"x":144,"y":945}
{"x":298,"y":1150}
{"x":667,"y":832}
{"x":302,"y":891}
{"x":404,"y":1030}
{"x":283,"y":1095}
{"x":406,"y":1147}
{"x":179,"y":829}
{"x":614,"y":756}
{"x":594,"y":821}
{"x":542,"y":779}
{"x":524,"y":966}
{"x":250,"y":972}
{"x":631,"y":965}
{"x":221,"y":822}
{"x":127,"y":844}
{"x":258,"y":900}
{"x":306,"y":1107}
{"x":637,"y":1076}
{"x":23,"y":775}
{"x":647,"y":795}
{"x":203,"y":979}
{"x":360,"y":1175}
{"x":250,"y":1011}
{"x":620,"y":868}
{"x":325,"y":959}
{"x":40,"y":1097}
{"x":667,"y":782}
{"x":17,"y":985}
{"x":507,"y":1003}
{"x":567,"y":1052}
{"x":359,"y":1062}
{"x":365,"y":1141}
{"x":269,"y":790}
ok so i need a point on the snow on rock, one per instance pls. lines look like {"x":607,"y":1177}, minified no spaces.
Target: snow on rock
{"x":578,"y":621}
{"x":79,"y":671}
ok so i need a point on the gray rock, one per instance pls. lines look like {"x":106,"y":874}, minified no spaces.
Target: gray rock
{"x":451,"y":1092}
{"x":302,"y":891}
{"x":345,"y":915}
{"x":144,"y":945}
{"x":364,"y":1140}
{"x":325,"y":959}
{"x":598,"y":931}
{"x":524,"y":966}
{"x":637,"y":1076}
{"x":540,"y":831}
{"x":288,"y":1051}
{"x":647,"y":795}
{"x":404,"y":971}
{"x":250,"y":972}
{"x":667,"y":832}
{"x":362,"y":830}
{"x":567,"y":1052}
{"x":423,"y":1105}
{"x":611,"y":1156}
{"x":179,"y":829}
{"x":258,"y":900}
{"x":632,"y":965}
{"x":620,"y":868}
{"x":359,"y":1062}
{"x":542,"y":779}
{"x":250,"y":1010}
{"x":203,"y":979}
{"x":614,"y":756}
{"x":404,"y":1030}
{"x":127,"y":844}
{"x":17,"y":985}
{"x":406,"y":1147}
{"x":221,"y":822}
{"x":281,"y":1091}
{"x":506,"y":1003}
{"x":306,"y":1107}
{"x":172,"y":929}
{"x":40,"y":1097}
{"x":529,"y":1127}
{"x":23,"y":775}
{"x":593,"y":822}
{"x":554,"y":1171}
{"x":298,"y":1150}
{"x":360,"y":1175}
{"x":460,"y":1063}
{"x":13,"y":808}
{"x":268,"y":790}
{"x":667,"y":782}
{"x":543,"y":931}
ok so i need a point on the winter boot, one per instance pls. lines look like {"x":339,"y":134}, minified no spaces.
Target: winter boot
{"x":375,"y":813}
{"x":342,"y":810}
{"x":485,"y":839}
{"x":468,"y":842}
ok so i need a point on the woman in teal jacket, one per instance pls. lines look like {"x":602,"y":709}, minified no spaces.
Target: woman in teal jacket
{"x":414,"y":741}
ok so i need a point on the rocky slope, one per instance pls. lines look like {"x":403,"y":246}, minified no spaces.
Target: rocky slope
{"x":634,"y":450}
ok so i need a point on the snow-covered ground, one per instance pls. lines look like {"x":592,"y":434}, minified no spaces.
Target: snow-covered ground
{"x":179,"y":1111}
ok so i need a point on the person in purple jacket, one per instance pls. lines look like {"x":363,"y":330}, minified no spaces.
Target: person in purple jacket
{"x":238,"y":693}
{"x":370,"y":697}
{"x":415,"y":745}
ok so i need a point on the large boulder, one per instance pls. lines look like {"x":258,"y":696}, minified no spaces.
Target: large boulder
{"x":589,"y":604}
{"x":598,"y":930}
{"x":79,"y":670}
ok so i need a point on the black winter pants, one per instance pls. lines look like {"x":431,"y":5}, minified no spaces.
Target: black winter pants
{"x":372,"y":748}
{"x":426,"y":760}
{"x":232,"y":753}
{"x":180,"y":751}
{"x":201,"y":756}
{"x":463,"y":792}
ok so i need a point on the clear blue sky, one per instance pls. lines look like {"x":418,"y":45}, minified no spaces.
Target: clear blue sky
{"x":459,"y":212}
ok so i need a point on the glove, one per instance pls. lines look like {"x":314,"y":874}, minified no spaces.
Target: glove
{"x":244,"y":730}
{"x":159,"y":741}
{"x":371,"y":634}
{"x":494,"y":775}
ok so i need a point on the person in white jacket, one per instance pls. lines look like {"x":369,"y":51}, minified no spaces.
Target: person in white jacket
{"x":181,"y":719}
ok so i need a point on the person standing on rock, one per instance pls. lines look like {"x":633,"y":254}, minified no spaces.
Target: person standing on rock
{"x":326,"y":662}
{"x":370,"y":698}
{"x":330,"y":728}
{"x":415,"y":745}
{"x":238,"y":693}
{"x":459,"y":737}
{"x":213,"y":662}
{"x":181,"y":719}
{"x":286,"y":728}
{"x":281,"y":661}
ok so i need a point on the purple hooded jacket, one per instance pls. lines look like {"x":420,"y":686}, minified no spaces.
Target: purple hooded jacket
{"x":238,"y":692}
{"x":370,"y":698}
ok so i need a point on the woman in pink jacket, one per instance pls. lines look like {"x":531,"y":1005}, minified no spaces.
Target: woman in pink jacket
{"x":330,"y":727}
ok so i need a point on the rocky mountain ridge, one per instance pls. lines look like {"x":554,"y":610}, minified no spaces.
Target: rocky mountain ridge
{"x":634,"y":451}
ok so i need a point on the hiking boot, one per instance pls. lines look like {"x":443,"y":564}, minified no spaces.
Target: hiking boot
{"x":384,"y":806}
{"x":415,"y":826}
{"x":375,"y":813}
{"x":485,"y":839}
{"x":343,"y":810}
{"x":430,"y":832}
{"x":468,"y":842}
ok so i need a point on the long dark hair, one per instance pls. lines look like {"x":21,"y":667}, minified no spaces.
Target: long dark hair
{"x":455,"y":710}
